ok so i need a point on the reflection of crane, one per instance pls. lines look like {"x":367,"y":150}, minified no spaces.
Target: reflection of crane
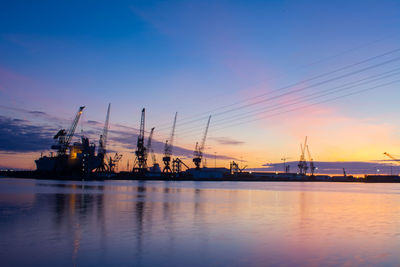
{"x":198,"y":151}
{"x":168,"y":148}
{"x":101,"y":152}
{"x":312,"y":167}
{"x":302,"y":162}
{"x":140,"y":152}
{"x":64,"y":137}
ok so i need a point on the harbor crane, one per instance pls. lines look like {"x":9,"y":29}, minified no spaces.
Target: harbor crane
{"x":312,"y":166}
{"x":177,"y":165}
{"x":198,"y":151}
{"x":168,"y":148}
{"x":149,"y":148}
{"x":302,"y":162}
{"x":64,"y":137}
{"x":235,"y":169}
{"x":141,"y":154}
{"x":112,"y":162}
{"x":393,"y":158}
{"x":102,"y":151}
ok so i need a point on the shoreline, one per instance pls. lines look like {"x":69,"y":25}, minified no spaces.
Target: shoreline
{"x":227,"y":178}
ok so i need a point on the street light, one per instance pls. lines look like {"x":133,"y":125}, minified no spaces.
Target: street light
{"x":285,"y":170}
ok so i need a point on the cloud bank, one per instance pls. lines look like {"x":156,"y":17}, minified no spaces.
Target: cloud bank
{"x":18,"y":135}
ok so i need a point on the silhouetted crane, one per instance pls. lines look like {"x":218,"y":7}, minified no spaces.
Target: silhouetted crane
{"x":102,"y":150}
{"x":198,"y":150}
{"x":112,"y":162}
{"x":149,"y":148}
{"x":177,"y":165}
{"x":168,"y":148}
{"x":312,"y":167}
{"x":302,"y":162}
{"x":235,"y":169}
{"x":140,"y":152}
{"x":393,"y":158}
{"x":64,"y":137}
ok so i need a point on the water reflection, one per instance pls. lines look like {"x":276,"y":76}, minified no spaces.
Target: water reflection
{"x":127,"y":223}
{"x":73,"y":210}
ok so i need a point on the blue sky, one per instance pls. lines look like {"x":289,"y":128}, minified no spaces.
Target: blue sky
{"x":195,"y":56}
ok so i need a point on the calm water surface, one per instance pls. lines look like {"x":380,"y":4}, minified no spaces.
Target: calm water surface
{"x":133,"y":223}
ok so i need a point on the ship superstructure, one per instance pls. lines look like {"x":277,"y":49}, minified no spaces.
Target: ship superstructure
{"x":78,"y":158}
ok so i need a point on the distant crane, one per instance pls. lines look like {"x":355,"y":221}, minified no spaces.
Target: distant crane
{"x":102,"y":151}
{"x":112,"y":162}
{"x":168,"y":148}
{"x":149,"y":148}
{"x":302,"y":162}
{"x":140,"y":152}
{"x":177,"y":165}
{"x":393,"y":158}
{"x":312,"y":166}
{"x":64,"y":137}
{"x":198,"y":151}
{"x":235,"y":169}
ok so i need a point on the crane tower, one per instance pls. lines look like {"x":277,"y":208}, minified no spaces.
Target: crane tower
{"x":101,"y":152}
{"x":198,"y":151}
{"x":64,"y":137}
{"x":141,"y":155}
{"x":302,"y":162}
{"x":168,"y":148}
{"x":312,"y":166}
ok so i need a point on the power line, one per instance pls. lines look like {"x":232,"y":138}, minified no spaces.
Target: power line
{"x":285,"y":87}
{"x":318,"y":94}
{"x":310,"y":105}
{"x":356,"y":48}
{"x":303,"y":88}
{"x":289,"y":104}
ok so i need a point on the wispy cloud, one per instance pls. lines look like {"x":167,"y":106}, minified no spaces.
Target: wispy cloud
{"x":227,"y":141}
{"x":96,"y":123}
{"x":34,"y":114}
{"x":38,"y":113}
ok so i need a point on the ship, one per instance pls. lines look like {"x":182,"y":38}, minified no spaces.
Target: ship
{"x":78,"y":158}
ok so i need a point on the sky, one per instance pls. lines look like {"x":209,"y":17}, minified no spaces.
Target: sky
{"x":268,"y":72}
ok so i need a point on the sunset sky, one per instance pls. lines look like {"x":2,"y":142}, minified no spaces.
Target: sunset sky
{"x":268,"y":72}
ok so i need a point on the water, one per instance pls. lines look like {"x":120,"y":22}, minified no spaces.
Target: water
{"x":131,"y":223}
